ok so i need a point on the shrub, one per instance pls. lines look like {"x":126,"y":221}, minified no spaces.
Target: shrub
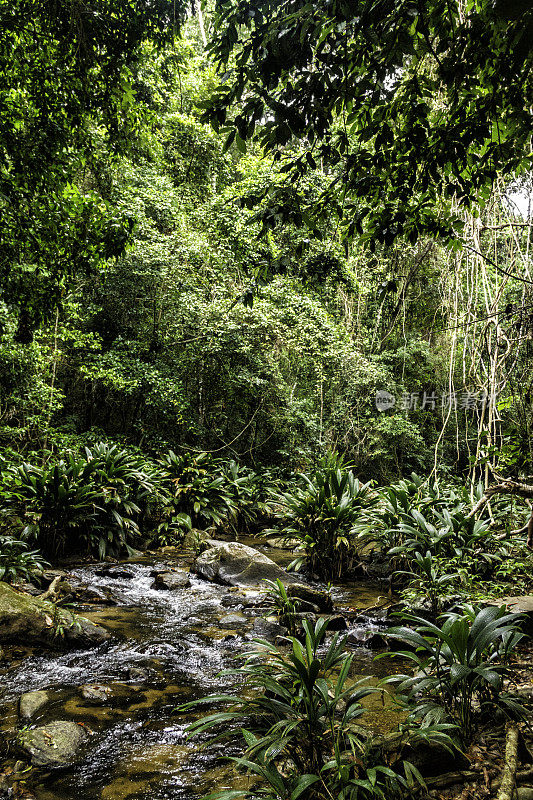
{"x":197,"y":488}
{"x":250,"y":492}
{"x":321,"y":513}
{"x":299,"y":724}
{"x":93,"y":500}
{"x":17,"y":561}
{"x":461,"y":666}
{"x":412,"y":519}
{"x":429,"y":578}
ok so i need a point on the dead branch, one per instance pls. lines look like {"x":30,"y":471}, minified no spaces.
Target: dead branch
{"x":52,"y":592}
{"x":508,"y":779}
{"x":517,"y":489}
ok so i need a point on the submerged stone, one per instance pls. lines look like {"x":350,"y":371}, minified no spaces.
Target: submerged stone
{"x":283,"y":543}
{"x":233,"y":621}
{"x":116,"y":695}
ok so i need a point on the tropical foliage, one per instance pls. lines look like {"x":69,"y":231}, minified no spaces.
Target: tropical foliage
{"x":17,"y":561}
{"x":461,"y":666}
{"x":300,"y":727}
{"x":321,"y":513}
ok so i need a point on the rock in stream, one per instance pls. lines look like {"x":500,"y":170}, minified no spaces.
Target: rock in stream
{"x":237,"y":564}
{"x":54,"y":746}
{"x":28,"y":620}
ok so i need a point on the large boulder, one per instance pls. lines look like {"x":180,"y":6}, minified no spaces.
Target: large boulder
{"x":521,"y":604}
{"x":28,"y":620}
{"x":53,"y":746}
{"x":237,"y":564}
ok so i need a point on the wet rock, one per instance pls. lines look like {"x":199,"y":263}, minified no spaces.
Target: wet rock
{"x":294,"y":622}
{"x":115,"y":572}
{"x":232,"y":601}
{"x":31,"y":702}
{"x":28,"y":620}
{"x":267,"y":629}
{"x":54,"y":746}
{"x":173,"y":579}
{"x":283,"y":543}
{"x":116,"y":695}
{"x":237,"y":564}
{"x":376,"y":641}
{"x":337,"y":623}
{"x":310,"y":594}
{"x":521,"y":604}
{"x":95,"y":595}
{"x":138,"y":674}
{"x":49,"y":574}
{"x":304,"y":605}
{"x":232,"y":621}
{"x":369,"y":638}
{"x":30,"y":588}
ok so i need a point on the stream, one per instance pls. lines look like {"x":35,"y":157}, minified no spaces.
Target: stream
{"x":169,"y":646}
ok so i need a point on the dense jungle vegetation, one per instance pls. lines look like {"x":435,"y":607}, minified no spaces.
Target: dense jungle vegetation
{"x":265,"y":270}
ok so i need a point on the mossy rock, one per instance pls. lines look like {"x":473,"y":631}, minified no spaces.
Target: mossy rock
{"x":53,"y":746}
{"x":28,"y":620}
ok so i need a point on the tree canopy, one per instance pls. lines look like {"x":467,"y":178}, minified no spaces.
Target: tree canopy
{"x":410,"y":107}
{"x":67,"y":90}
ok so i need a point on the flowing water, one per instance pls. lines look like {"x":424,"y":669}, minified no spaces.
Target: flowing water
{"x":170,"y":646}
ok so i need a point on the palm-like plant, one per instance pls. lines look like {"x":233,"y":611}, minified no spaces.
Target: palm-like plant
{"x":17,"y":561}
{"x":197,"y":488}
{"x":250,"y":493}
{"x":429,"y":578}
{"x":93,"y":500}
{"x":52,"y":502}
{"x":461,"y":665}
{"x":381,"y":525}
{"x":285,"y":606}
{"x":321,"y":513}
{"x":126,"y":485}
{"x":300,"y":724}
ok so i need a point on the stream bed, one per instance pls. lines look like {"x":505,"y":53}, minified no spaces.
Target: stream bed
{"x":168,"y":648}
